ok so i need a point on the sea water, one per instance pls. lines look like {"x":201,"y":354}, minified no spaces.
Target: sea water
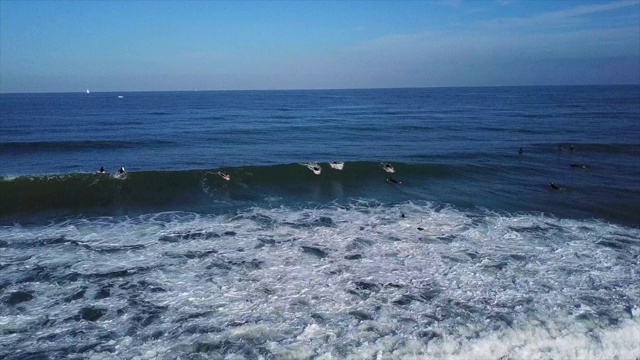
{"x":472,"y":255}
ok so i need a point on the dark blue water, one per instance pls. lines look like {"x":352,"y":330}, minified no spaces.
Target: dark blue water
{"x":461,"y":144}
{"x":170,"y":259}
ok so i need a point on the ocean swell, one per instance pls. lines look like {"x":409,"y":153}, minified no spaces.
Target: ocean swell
{"x":157,"y":190}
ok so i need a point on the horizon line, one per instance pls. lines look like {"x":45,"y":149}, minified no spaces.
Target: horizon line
{"x":317,"y":89}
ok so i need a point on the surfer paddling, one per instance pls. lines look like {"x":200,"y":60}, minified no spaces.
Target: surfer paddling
{"x":393,"y":181}
{"x":314,"y":167}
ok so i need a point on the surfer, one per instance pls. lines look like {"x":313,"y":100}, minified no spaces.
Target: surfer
{"x":102,"y":170}
{"x":560,"y":147}
{"x":393,"y":181}
{"x":388,"y":168}
{"x":521,"y":151}
{"x":553,"y":186}
{"x":121,"y":171}
{"x":571,"y":148}
{"x":224,"y":175}
{"x":313,"y":167}
{"x":576,"y":165}
{"x":338,"y":165}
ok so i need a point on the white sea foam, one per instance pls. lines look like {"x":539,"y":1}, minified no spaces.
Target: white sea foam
{"x":357,"y":281}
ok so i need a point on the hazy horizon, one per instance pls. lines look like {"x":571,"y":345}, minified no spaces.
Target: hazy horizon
{"x":111,"y":46}
{"x":318,"y":89}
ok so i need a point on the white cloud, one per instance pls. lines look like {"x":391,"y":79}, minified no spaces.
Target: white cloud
{"x":588,"y":10}
{"x":562,"y":17}
{"x":486,"y":54}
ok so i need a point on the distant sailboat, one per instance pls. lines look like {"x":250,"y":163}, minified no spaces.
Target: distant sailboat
{"x":88,"y":92}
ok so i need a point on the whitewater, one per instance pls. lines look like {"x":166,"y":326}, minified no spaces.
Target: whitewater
{"x":355,"y":281}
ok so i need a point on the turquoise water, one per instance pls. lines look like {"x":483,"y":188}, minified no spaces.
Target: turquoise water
{"x":472,"y":255}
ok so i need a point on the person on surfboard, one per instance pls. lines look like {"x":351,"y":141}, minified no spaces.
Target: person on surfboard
{"x":393,"y":181}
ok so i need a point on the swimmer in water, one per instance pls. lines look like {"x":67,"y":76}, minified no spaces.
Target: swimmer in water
{"x":553,"y":186}
{"x":576,"y":165}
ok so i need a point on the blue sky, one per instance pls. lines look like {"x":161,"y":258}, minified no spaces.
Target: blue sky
{"x":51,"y":46}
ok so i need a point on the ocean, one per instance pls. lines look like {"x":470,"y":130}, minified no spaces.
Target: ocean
{"x":464,"y":251}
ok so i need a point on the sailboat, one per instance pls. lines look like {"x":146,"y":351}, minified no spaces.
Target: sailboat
{"x":88,"y":92}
